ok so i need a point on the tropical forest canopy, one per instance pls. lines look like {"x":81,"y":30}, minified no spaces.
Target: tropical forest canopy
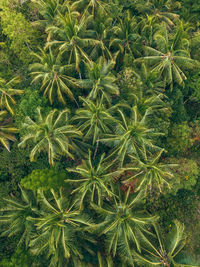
{"x":99,"y":133}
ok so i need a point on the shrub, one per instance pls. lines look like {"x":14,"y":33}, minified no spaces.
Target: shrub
{"x":44,"y":179}
{"x":185,"y":174}
{"x":179,"y":139}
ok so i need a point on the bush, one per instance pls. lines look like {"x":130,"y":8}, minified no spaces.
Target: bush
{"x":44,"y":179}
{"x":179,"y":139}
{"x":185,"y":174}
{"x":19,"y":258}
{"x":28,"y":104}
{"x":182,"y":206}
{"x":176,"y":98}
{"x":22,"y":258}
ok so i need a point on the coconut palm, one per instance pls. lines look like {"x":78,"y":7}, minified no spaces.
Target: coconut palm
{"x":147,"y":27}
{"x":50,"y":70}
{"x":101,"y":29}
{"x":8,"y":93}
{"x":6,"y":130}
{"x":94,"y":119}
{"x":48,"y":9}
{"x":15,"y":216}
{"x":51,"y":134}
{"x":94,"y":180}
{"x":71,"y":38}
{"x":88,"y":6}
{"x":130,"y":136}
{"x":165,"y":251}
{"x":59,"y":228}
{"x":150,"y":82}
{"x":144,"y":100}
{"x":168,"y":59}
{"x":159,"y":11}
{"x":126,"y":37}
{"x":124,"y":224}
{"x":100,"y":80}
{"x":104,"y":262}
{"x":149,"y":172}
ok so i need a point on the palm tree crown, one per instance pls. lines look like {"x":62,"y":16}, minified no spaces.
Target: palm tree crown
{"x":6,"y":130}
{"x":100,"y":80}
{"x":7,"y":93}
{"x":69,"y":34}
{"x":52,"y":134}
{"x":52,"y":73}
{"x":94,"y":119}
{"x":165,"y":251}
{"x":130,"y":136}
{"x":57,"y":226}
{"x":15,"y":215}
{"x":124,"y":224}
{"x":96,"y":181}
{"x":168,"y":59}
{"x":149,"y":172}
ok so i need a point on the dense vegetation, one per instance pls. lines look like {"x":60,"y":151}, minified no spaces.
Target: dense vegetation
{"x":99,"y":133}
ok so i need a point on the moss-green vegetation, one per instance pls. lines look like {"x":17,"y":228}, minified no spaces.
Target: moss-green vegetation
{"x":99,"y":133}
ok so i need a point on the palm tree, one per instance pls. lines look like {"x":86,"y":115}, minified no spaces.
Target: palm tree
{"x":159,"y":11}
{"x":150,"y":172}
{"x":165,"y":251}
{"x":48,"y":9}
{"x":150,"y":82}
{"x":51,"y":72}
{"x":124,"y":224}
{"x":169,"y":59}
{"x":15,"y":216}
{"x":59,"y":228}
{"x":101,"y":29}
{"x":6,"y":130}
{"x":126,"y":37}
{"x":138,"y":95}
{"x":100,"y":80}
{"x":88,"y":6}
{"x":94,"y":180}
{"x":147,"y":27}
{"x":104,"y":261}
{"x":52,"y":134}
{"x":7,"y":93}
{"x":130,"y":136}
{"x":71,"y":38}
{"x":94,"y":119}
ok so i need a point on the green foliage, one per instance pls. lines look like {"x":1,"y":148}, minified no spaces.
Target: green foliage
{"x":20,"y":258}
{"x":19,"y":32}
{"x":44,"y":179}
{"x":28,"y":104}
{"x":133,"y":65}
{"x":183,"y":206}
{"x":186,"y":173}
{"x":131,"y":135}
{"x":176,"y":100}
{"x":179,"y":139}
{"x":15,"y":165}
